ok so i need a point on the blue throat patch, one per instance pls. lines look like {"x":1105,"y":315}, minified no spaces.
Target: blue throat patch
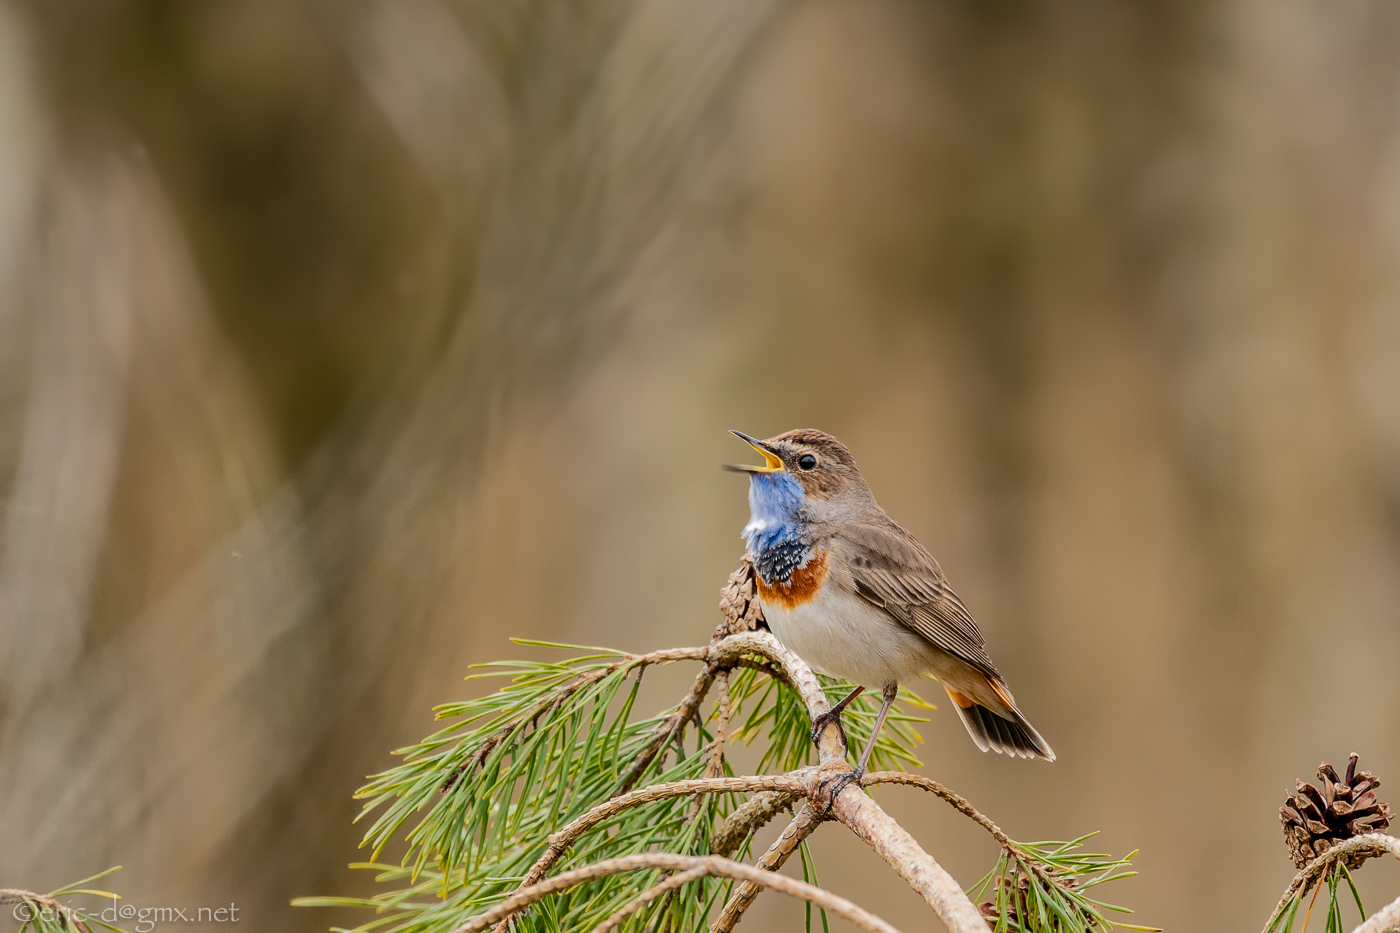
{"x":775,"y":534}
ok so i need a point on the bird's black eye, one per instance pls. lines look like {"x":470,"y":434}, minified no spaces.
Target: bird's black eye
{"x":807,"y":462}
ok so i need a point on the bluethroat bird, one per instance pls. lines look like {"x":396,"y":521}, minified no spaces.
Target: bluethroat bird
{"x":855,"y":595}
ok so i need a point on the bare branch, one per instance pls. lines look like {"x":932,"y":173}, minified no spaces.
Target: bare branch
{"x":19,"y":896}
{"x":638,"y":661}
{"x":715,"y":767}
{"x":853,"y":806}
{"x":802,"y":826}
{"x":713,"y":865}
{"x":960,"y":804}
{"x":646,"y":897}
{"x":1367,"y":846}
{"x":559,"y":842}
{"x":751,"y":815}
{"x":668,"y":729}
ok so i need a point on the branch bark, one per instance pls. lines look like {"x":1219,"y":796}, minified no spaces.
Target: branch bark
{"x":1369,"y":845}
{"x":559,"y":842}
{"x":19,"y":896}
{"x":802,"y":826}
{"x":751,"y":816}
{"x":853,"y":806}
{"x":667,"y":886}
{"x":713,"y":865}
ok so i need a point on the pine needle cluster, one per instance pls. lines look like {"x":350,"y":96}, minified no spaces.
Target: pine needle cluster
{"x":54,"y":912}
{"x":558,"y":776}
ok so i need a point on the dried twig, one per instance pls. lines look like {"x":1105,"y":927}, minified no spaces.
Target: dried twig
{"x":559,"y":842}
{"x":639,"y":661}
{"x":713,"y":865}
{"x":853,"y":806}
{"x":18,"y":896}
{"x":669,"y":729}
{"x":1370,"y":845}
{"x":802,"y":826}
{"x":751,"y":815}
{"x":667,"y":886}
{"x":960,"y":804}
{"x":715,"y":767}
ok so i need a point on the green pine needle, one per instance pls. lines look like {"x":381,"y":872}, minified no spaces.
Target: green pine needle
{"x":1040,"y":888}
{"x":472,"y":806}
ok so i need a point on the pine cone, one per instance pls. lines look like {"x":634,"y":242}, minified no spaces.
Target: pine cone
{"x":1315,"y":820}
{"x":739,"y":602}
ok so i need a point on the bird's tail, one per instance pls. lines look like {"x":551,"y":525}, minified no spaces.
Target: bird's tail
{"x":994,"y":731}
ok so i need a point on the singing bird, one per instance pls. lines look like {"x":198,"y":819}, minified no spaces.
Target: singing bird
{"x":855,"y":595}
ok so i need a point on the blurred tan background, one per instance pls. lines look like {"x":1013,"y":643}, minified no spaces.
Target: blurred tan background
{"x":341,"y":339}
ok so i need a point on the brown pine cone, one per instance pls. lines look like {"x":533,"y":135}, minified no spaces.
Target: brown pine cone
{"x":738,"y":601}
{"x":1316,"y":819}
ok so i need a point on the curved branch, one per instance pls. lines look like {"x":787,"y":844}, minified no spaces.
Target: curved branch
{"x":647,"y":896}
{"x":668,"y":729}
{"x":713,"y":865}
{"x":853,"y":806}
{"x":751,"y":815}
{"x":559,"y":842}
{"x":1367,"y":846}
{"x":958,"y":803}
{"x":802,"y":826}
{"x":967,"y":809}
{"x":18,"y":896}
{"x":638,"y":661}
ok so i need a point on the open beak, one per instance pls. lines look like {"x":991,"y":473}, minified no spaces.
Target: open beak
{"x":772,"y":463}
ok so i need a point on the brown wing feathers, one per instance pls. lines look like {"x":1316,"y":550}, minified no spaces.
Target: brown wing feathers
{"x":893,"y":571}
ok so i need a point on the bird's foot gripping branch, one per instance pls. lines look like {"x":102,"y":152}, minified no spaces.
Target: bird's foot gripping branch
{"x":552,"y":805}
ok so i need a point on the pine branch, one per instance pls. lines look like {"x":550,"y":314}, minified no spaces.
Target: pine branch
{"x":667,"y":887}
{"x":1370,"y":845}
{"x":560,"y":841}
{"x":669,"y":729}
{"x":752,"y":816}
{"x":958,"y":803}
{"x":553,"y":773}
{"x":47,"y":914}
{"x":712,"y":865}
{"x":795,"y":833}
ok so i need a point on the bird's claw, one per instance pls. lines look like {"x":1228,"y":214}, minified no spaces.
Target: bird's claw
{"x":839,"y":783}
{"x":819,"y":724}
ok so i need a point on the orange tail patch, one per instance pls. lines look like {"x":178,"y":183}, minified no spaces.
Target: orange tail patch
{"x":994,"y":685}
{"x":961,"y":699}
{"x":1002,"y":693}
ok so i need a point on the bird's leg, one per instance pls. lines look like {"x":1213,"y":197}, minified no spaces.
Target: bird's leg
{"x":834,"y":715}
{"x":841,"y":781}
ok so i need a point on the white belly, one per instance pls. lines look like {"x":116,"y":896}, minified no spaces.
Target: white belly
{"x":843,"y":635}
